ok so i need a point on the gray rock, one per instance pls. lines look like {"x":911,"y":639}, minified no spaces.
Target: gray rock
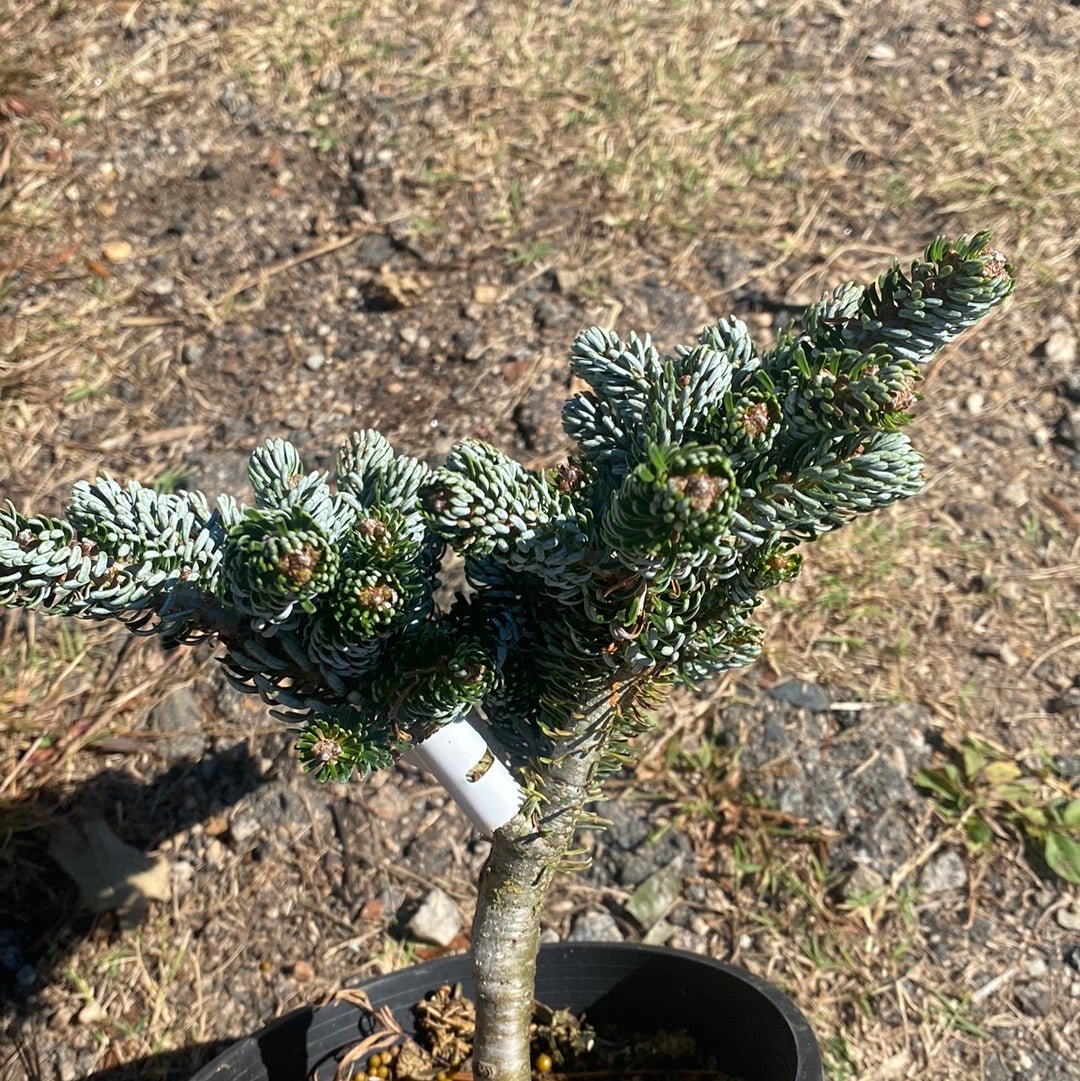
{"x":1036,"y":967}
{"x":862,"y":884}
{"x":629,"y":823}
{"x":595,"y":927}
{"x":659,"y":933}
{"x":945,"y":872}
{"x":1069,"y":918}
{"x":437,"y":920}
{"x":314,"y":361}
{"x":1067,"y":428}
{"x":689,"y":941}
{"x":177,"y":721}
{"x":1034,"y":999}
{"x":65,"y":1067}
{"x":331,"y":79}
{"x":635,"y":867}
{"x":652,"y":899}
{"x":373,"y":250}
{"x":161,"y":287}
{"x":635,"y":845}
{"x":1060,"y":348}
{"x":234,"y":101}
{"x":1047,"y":1066}
{"x":802,"y":694}
{"x":274,"y":812}
{"x":243,"y":824}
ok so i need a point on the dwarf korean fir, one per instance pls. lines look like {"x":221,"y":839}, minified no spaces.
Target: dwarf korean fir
{"x":592,"y":587}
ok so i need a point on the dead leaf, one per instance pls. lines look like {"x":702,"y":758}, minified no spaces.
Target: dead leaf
{"x":392,"y":289}
{"x":111,"y":875}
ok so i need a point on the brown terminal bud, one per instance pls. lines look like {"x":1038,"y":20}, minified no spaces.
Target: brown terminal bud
{"x":996,"y":264}
{"x":438,"y":500}
{"x":701,"y":489}
{"x":755,"y":420}
{"x":376,"y":598}
{"x":903,"y":400}
{"x":569,"y":477}
{"x":299,"y":566}
{"x":373,"y":530}
{"x":326,"y":750}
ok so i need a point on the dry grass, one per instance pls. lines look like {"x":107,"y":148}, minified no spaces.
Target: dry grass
{"x":742,"y":153}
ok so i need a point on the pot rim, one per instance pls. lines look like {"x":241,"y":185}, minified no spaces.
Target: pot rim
{"x":317,"y":1033}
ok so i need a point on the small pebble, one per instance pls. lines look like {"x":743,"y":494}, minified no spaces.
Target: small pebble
{"x":1060,"y":348}
{"x":1036,"y":968}
{"x":91,"y":1014}
{"x":437,"y":920}
{"x":65,"y":1064}
{"x":565,"y":280}
{"x":595,"y":927}
{"x":1015,"y":494}
{"x":1009,"y":657}
{"x":314,"y":362}
{"x":161,"y":287}
{"x":943,"y":873}
{"x":331,"y":79}
{"x":302,"y":971}
{"x":863,"y":884}
{"x":1069,"y":918}
{"x":183,"y":871}
{"x":117,"y":251}
{"x":1034,"y":999}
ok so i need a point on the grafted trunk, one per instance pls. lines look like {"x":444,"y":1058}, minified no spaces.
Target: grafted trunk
{"x":524,"y":857}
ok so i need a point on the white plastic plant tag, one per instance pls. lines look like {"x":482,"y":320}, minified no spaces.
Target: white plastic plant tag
{"x":459,"y":758}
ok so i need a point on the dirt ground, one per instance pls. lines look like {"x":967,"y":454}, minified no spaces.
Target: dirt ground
{"x":222,"y":221}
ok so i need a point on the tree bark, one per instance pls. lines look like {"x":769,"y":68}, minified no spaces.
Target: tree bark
{"x":525,"y":855}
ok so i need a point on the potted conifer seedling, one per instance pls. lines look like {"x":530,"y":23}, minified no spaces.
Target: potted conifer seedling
{"x":592,"y":587}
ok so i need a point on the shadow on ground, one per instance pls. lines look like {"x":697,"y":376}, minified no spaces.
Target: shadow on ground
{"x":176,"y":1065}
{"x":42,"y":916}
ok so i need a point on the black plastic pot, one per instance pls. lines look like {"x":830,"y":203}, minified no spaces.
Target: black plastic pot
{"x":756,"y":1032}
